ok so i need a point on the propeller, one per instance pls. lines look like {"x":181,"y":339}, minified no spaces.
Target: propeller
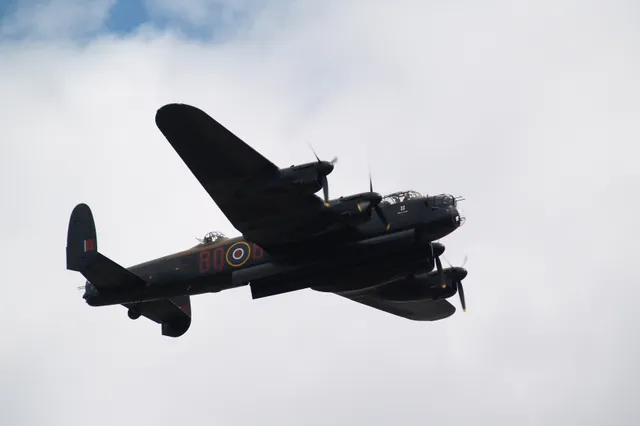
{"x":377,"y":207}
{"x":458,"y":283}
{"x":440,"y":272}
{"x":439,"y":269}
{"x":327,"y":167}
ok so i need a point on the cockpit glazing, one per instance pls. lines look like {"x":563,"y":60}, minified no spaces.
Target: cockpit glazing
{"x":399,"y":197}
{"x":213,"y":237}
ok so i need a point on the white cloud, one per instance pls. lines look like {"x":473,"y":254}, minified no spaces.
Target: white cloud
{"x":529,"y":112}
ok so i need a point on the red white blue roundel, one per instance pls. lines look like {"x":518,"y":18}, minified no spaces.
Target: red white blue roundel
{"x":238,"y":253}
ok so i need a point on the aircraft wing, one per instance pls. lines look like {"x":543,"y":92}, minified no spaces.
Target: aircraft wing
{"x":232,"y":173}
{"x":419,"y":310}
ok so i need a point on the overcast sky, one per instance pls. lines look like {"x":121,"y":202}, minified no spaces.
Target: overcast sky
{"x":528,"y":109}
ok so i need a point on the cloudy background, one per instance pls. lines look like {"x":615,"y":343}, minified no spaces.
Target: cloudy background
{"x":528,"y":109}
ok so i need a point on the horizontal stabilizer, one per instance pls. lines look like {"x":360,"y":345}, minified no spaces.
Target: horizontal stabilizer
{"x":174,"y":315}
{"x":105,"y":274}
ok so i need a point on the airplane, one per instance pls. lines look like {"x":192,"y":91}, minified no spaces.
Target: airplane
{"x":378,"y":251}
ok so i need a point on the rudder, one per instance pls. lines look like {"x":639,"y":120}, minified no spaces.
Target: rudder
{"x":82,"y":244}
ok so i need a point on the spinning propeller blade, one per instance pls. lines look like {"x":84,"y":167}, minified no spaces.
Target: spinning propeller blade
{"x":458,"y":284}
{"x":461,"y":293}
{"x":440,"y":272}
{"x":377,"y":207}
{"x":322,"y":176}
{"x":370,"y":182}
{"x":325,"y":187}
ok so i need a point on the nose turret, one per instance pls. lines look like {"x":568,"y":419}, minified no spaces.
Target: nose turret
{"x":456,"y":217}
{"x":443,"y":217}
{"x":446,"y":218}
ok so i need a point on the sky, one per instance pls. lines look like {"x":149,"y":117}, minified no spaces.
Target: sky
{"x":527,"y":109}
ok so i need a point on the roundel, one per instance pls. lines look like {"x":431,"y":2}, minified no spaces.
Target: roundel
{"x":238,"y":253}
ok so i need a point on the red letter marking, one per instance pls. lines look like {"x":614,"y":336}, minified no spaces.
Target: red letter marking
{"x":218,"y":258}
{"x":205,"y":261}
{"x":258,"y":253}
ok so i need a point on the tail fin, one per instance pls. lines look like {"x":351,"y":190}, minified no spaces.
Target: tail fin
{"x":83,"y":256}
{"x":82,"y":245}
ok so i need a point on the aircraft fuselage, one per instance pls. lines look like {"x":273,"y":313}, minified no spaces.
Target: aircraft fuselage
{"x":236,"y":262}
{"x":371,"y":256}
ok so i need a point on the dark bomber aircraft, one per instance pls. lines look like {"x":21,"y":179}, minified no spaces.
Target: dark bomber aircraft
{"x":291,"y":238}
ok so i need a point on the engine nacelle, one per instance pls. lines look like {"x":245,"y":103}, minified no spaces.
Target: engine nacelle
{"x":422,"y":286}
{"x":306,"y":178}
{"x":355,"y":209}
{"x":352,"y":212}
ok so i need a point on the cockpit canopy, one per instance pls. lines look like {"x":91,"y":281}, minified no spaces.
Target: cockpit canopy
{"x":399,"y":197}
{"x":433,"y":200}
{"x":213,"y":237}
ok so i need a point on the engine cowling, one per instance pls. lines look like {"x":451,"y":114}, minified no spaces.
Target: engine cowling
{"x":303,"y":180}
{"x":306,"y":178}
{"x":423,"y":286}
{"x":355,"y":208}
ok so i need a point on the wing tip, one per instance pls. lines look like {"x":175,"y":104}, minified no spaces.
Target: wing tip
{"x":175,"y":107}
{"x":178,"y":114}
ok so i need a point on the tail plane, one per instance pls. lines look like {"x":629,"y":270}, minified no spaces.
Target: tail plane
{"x":105,"y":275}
